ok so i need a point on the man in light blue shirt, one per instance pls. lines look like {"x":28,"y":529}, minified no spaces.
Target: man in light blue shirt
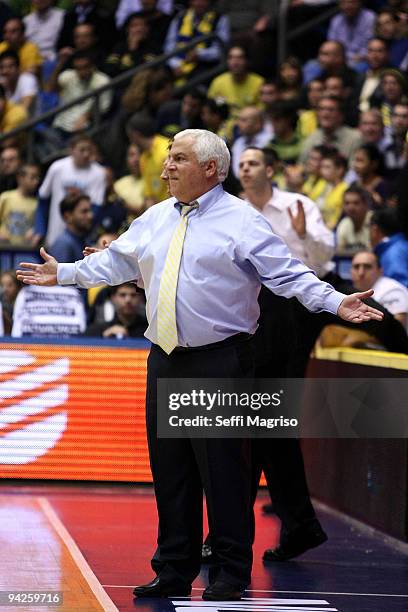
{"x":229,"y":250}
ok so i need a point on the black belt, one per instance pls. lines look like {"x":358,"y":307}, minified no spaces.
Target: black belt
{"x":230,"y":341}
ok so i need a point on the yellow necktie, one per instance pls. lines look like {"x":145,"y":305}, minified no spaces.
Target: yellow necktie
{"x":166,"y":307}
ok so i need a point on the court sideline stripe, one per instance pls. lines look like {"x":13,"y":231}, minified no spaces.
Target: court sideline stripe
{"x":80,"y":561}
{"x":129,"y":586}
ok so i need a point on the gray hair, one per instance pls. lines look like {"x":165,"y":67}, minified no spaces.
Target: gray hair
{"x":206,"y":146}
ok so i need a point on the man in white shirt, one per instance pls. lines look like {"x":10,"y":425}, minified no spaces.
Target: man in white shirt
{"x":366,"y":273}
{"x":75,"y":173}
{"x":43,"y":25}
{"x":21,"y":87}
{"x":253,"y":134}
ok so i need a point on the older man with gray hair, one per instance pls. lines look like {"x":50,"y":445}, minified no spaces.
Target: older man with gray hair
{"x":202,"y":256}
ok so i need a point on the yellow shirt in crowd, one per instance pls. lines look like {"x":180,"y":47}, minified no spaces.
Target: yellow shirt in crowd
{"x":236,"y":94}
{"x":13,"y":116}
{"x":151,"y":166}
{"x":16,"y":216}
{"x":29,"y":55}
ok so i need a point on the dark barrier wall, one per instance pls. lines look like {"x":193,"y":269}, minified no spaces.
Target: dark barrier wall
{"x":367,"y":479}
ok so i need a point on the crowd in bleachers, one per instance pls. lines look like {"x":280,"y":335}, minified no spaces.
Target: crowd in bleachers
{"x":333,"y":115}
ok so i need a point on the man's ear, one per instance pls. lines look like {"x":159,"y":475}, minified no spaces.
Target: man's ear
{"x":270,"y":171}
{"x":211,"y":168}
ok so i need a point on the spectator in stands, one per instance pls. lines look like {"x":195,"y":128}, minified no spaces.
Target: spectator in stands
{"x":290,"y":79}
{"x":238,"y":87}
{"x":130,"y":188}
{"x":332,"y":130}
{"x":48,"y":312}
{"x":395,"y":152}
{"x":253,"y":134}
{"x":76,"y":212}
{"x":214,"y":115}
{"x":15,"y":40}
{"x":21,"y":87}
{"x":43,"y":25}
{"x":331,"y":60}
{"x":18,"y":206}
{"x":126,"y":7}
{"x":176,"y":115}
{"x":199,"y":19}
{"x":9,"y":289}
{"x":248,"y":19}
{"x":87,"y":11}
{"x":314,"y":183}
{"x":10,"y":163}
{"x":371,"y":129}
{"x":336,"y":86}
{"x":85,"y":39}
{"x":73,"y":174}
{"x":388,"y":27}
{"x":377,"y":60}
{"x":112,"y":216}
{"x":134,"y":49}
{"x":390,"y":244}
{"x":333,"y":168}
{"x":11,"y":115}
{"x":368,"y":164}
{"x":268,"y":94}
{"x":393,"y":90}
{"x":353,"y":27}
{"x":82,"y":79}
{"x":353,"y":231}
{"x":286,"y":141}
{"x":308,"y":118}
{"x":367,"y":273}
{"x":148,"y":90}
{"x":154,"y":148}
{"x":129,"y":320}
{"x":158,"y":23}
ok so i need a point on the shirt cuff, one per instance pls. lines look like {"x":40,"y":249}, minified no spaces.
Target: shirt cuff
{"x":333,"y":301}
{"x":66,"y":274}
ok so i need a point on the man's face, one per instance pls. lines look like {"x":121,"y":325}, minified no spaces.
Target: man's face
{"x":355,"y":207}
{"x":199,"y":6}
{"x":84,"y":37}
{"x":314,"y":159}
{"x":386,"y":26}
{"x":81,"y":217}
{"x":138,"y":28}
{"x":133,"y":159}
{"x":371,"y":127}
{"x":314,"y":92}
{"x":126,"y":301}
{"x":328,"y":114}
{"x":328,"y":170}
{"x":84,"y":68}
{"x":249,"y":121}
{"x":29,"y":179}
{"x":188,"y":179}
{"x":364,"y":271}
{"x":10,"y":161}
{"x":9,"y":69}
{"x":399,"y":119}
{"x":82,"y":153}
{"x":191,"y":107}
{"x":350,"y":8}
{"x":269,"y":94}
{"x":9,"y":287}
{"x":13,"y":32}
{"x":377,"y":54}
{"x":236,"y":61}
{"x":391,"y":88}
{"x":361,"y":163}
{"x":330,"y":56}
{"x":254,"y":174}
{"x":334,"y":87}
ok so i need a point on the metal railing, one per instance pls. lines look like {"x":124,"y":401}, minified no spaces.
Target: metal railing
{"x":114,"y":83}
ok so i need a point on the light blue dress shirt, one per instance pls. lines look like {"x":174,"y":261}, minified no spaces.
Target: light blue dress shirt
{"x":229,"y":250}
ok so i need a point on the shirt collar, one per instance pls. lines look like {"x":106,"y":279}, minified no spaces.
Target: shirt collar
{"x":206,"y":200}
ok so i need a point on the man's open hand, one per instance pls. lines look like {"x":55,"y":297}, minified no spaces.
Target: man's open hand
{"x":353,"y":308}
{"x":39,"y":274}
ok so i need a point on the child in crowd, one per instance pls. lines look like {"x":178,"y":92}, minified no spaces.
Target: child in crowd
{"x":18,"y":206}
{"x":368,"y":164}
{"x":353,"y":232}
{"x":330,"y":201}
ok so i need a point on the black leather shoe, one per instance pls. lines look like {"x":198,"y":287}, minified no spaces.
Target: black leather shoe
{"x":162,"y":588}
{"x":296,"y":544}
{"x":206,"y":554}
{"x":222,"y":591}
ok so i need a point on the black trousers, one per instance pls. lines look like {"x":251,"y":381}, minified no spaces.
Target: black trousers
{"x":183,"y":467}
